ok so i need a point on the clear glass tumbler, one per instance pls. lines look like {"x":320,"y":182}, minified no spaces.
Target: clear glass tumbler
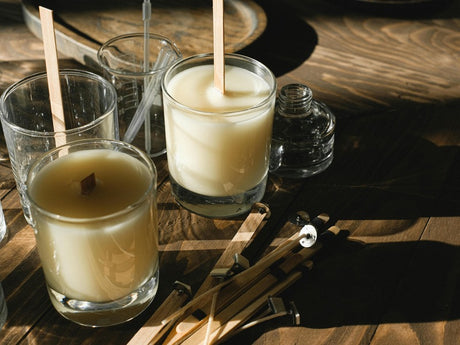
{"x":93,"y":205}
{"x":90,"y":110}
{"x":135,"y":64}
{"x":218,"y":144}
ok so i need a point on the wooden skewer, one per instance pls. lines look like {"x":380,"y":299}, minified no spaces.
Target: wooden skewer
{"x":248,"y":303}
{"x":256,"y":283}
{"x":235,"y":296}
{"x":242,"y":279}
{"x":219,"y":45}
{"x":259,"y":288}
{"x":52,"y":72}
{"x":211,"y":318}
{"x":244,"y":315}
{"x":160,"y":322}
{"x":153,"y":329}
{"x":245,"y":235}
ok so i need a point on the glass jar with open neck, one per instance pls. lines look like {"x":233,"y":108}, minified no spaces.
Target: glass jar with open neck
{"x":303,"y":134}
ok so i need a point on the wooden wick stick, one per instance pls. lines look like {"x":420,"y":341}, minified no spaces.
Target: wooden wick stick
{"x":226,"y":329}
{"x":219,"y":45}
{"x":52,"y":72}
{"x":88,"y":184}
{"x":201,"y":299}
{"x":242,"y":278}
{"x":153,"y":330}
{"x":211,"y":318}
{"x":248,"y":303}
{"x":170,"y":310}
{"x":245,"y":235}
{"x":239,"y":294}
{"x":260,"y":287}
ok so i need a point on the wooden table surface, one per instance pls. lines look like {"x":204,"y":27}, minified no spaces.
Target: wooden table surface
{"x":393,"y":81}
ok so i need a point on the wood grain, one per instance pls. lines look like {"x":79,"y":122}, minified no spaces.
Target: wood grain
{"x":359,"y":59}
{"x":82,"y":27}
{"x":393,"y":83}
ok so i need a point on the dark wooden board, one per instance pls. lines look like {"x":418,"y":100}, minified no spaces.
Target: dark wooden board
{"x":82,"y":26}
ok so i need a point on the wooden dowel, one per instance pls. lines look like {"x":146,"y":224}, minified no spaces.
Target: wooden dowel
{"x":247,"y":230}
{"x":247,"y":304}
{"x":241,"y":279}
{"x":244,"y":315}
{"x":254,"y":281}
{"x":250,"y":226}
{"x":52,"y":73}
{"x":253,"y":291}
{"x":153,"y":330}
{"x":239,"y":294}
{"x":211,"y":318}
{"x":219,"y":44}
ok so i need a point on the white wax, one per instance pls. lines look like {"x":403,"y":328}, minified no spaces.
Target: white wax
{"x":218,"y":153}
{"x":93,"y":258}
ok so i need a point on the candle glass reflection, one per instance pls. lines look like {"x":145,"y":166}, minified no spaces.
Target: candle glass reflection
{"x":98,"y":242}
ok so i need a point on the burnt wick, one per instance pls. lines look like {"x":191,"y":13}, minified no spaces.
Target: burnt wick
{"x":88,"y":184}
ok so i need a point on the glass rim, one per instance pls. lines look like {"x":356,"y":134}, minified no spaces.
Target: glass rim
{"x":209,"y":57}
{"x":63,"y":72}
{"x":117,"y":72}
{"x":146,"y":160}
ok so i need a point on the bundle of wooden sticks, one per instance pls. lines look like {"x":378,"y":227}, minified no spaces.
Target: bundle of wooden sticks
{"x":235,"y":292}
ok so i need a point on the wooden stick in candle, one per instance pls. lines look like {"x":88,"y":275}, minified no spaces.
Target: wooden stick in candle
{"x":219,"y":45}
{"x":88,"y":184}
{"x":52,"y":72}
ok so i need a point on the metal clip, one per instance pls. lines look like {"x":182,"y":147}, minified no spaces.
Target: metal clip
{"x":308,"y":236}
{"x":182,"y":288}
{"x":276,"y":308}
{"x":240,"y":264}
{"x":301,"y":218}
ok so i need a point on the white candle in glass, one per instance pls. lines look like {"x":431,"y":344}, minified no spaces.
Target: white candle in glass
{"x":95,"y":247}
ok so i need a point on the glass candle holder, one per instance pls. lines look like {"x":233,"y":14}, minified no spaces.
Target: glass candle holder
{"x":90,"y":111}
{"x":135,"y":66}
{"x":218,"y":144}
{"x":93,"y":206}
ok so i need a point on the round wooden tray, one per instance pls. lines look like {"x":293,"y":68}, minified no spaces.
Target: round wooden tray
{"x":82,"y":26}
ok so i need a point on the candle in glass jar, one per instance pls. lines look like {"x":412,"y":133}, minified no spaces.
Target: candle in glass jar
{"x":213,"y":151}
{"x":94,"y":246}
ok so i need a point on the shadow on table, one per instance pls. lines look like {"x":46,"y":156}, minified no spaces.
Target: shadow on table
{"x":286,"y":42}
{"x":400,"y":9}
{"x":399,"y":164}
{"x":356,"y":284}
